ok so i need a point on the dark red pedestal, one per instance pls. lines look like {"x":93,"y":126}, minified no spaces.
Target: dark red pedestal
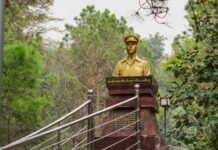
{"x":120,"y":89}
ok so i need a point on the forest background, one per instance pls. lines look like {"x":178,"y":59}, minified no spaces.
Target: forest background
{"x":43,"y":81}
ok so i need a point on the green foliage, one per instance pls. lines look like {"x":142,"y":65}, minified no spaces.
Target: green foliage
{"x":21,"y":102}
{"x":21,"y":63}
{"x":24,"y":103}
{"x":194,"y":93}
{"x":194,"y":121}
{"x":203,"y":18}
{"x":97,"y":33}
{"x":59,"y":83}
{"x":24,"y":19}
{"x":156,"y":48}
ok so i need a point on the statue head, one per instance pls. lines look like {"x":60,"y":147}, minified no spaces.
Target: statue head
{"x":131,"y":44}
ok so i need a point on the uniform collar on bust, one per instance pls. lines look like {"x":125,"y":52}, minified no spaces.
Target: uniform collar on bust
{"x":136,"y":59}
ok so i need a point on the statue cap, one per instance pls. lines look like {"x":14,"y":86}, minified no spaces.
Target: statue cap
{"x":131,"y":38}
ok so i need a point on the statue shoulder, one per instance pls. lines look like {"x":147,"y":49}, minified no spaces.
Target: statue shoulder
{"x":146,"y":67}
{"x":121,"y":61}
{"x":145,"y":61}
{"x":142,"y":60}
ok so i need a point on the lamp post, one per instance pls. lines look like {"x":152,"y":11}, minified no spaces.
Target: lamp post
{"x":165,"y":102}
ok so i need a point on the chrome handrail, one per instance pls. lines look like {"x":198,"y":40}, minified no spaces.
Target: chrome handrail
{"x":58,"y":120}
{"x":20,"y":141}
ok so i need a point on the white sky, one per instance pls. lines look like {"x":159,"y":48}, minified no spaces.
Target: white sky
{"x":68,"y":9}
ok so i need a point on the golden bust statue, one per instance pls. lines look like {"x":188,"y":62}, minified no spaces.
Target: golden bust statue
{"x":132,"y":65}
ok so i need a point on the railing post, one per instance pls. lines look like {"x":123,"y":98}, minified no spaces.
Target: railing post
{"x":73,"y":141}
{"x":138,"y":125}
{"x":165,"y":127}
{"x":90,"y":134}
{"x":59,"y":138}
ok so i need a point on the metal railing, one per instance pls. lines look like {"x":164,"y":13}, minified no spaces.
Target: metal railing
{"x":23,"y":140}
{"x":51,"y":138}
{"x":90,"y":125}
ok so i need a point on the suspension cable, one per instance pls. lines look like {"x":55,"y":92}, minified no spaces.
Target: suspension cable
{"x":79,"y":143}
{"x":108,"y":122}
{"x":58,"y":120}
{"x":28,"y":138}
{"x":52,"y":145}
{"x":76,"y":134}
{"x":99,"y":126}
{"x":48,"y":139}
{"x":38,"y":132}
{"x":62,"y":140}
{"x":120,"y":140}
{"x":67,"y":139}
{"x":132,"y":146}
{"x":79,"y":132}
{"x":108,"y":134}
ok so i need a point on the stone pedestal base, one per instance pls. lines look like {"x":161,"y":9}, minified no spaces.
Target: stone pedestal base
{"x":119,"y":90}
{"x":109,"y":141}
{"x":150,"y":136}
{"x":147,"y":143}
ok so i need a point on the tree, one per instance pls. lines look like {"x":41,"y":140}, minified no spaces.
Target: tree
{"x":194,"y":89}
{"x":24,"y":19}
{"x":156,"y":46}
{"x":21,"y":103}
{"x":59,"y":82}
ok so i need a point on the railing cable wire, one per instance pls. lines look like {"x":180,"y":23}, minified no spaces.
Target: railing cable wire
{"x":62,"y":140}
{"x":120,"y":141}
{"x":38,"y":133}
{"x":108,"y":122}
{"x":132,"y":146}
{"x":75,"y":147}
{"x":79,"y":132}
{"x":58,"y":120}
{"x":33,"y":136}
{"x":67,"y":139}
{"x":95,"y":127}
{"x":108,"y":134}
{"x":48,"y":139}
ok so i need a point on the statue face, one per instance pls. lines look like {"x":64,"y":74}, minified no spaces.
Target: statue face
{"x":131,"y":47}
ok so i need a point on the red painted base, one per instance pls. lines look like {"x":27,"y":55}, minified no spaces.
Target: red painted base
{"x":150,"y":134}
{"x":117,"y":143}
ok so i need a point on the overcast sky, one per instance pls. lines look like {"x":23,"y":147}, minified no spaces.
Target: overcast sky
{"x":68,"y":9}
